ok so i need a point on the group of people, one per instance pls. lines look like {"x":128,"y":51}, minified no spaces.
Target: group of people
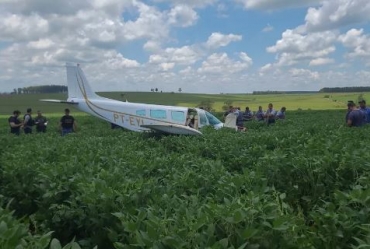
{"x":357,"y":116}
{"x":67,"y":123}
{"x":270,"y":115}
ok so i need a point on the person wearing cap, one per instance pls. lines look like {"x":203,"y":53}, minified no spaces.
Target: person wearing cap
{"x":14,"y":123}
{"x":355,"y":117}
{"x":348,"y":109}
{"x":365,"y":110}
{"x":40,"y":122}
{"x":28,"y":122}
{"x":67,"y":123}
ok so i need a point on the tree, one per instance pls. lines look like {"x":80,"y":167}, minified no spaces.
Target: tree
{"x":156,"y":89}
{"x":180,"y":90}
{"x":19,"y":90}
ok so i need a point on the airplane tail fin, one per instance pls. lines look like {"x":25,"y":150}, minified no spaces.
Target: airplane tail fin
{"x":78,"y":86}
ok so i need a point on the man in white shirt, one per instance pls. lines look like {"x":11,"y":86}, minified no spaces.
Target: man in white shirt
{"x":270,"y":114}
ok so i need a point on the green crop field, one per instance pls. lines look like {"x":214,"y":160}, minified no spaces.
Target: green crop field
{"x":313,"y":101}
{"x":301,"y":183}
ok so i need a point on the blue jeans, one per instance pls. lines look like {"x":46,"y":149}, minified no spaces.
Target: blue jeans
{"x":66,"y":131}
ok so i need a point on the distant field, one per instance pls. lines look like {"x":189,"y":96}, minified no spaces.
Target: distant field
{"x":318,"y":101}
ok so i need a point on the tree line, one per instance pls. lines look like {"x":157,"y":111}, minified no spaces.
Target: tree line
{"x":345,"y":89}
{"x":281,"y":92}
{"x":41,"y":89}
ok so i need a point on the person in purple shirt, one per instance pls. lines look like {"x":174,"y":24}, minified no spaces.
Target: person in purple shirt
{"x":365,"y":110}
{"x":355,"y":118}
{"x":281,"y":113}
{"x":259,"y":114}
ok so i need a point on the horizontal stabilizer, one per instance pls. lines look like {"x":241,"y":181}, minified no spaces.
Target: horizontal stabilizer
{"x":173,"y":129}
{"x":59,"y":101}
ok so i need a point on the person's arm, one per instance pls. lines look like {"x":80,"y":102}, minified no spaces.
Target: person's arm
{"x":26,"y":118}
{"x":14,"y":125}
{"x":349,"y":122}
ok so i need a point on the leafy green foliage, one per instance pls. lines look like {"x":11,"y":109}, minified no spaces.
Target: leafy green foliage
{"x":301,"y":183}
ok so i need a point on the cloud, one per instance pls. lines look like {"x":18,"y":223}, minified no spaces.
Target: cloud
{"x":357,"y":42}
{"x":21,"y":28}
{"x":302,"y":73}
{"x":191,"y":3}
{"x":182,"y":16}
{"x":321,"y":61}
{"x":335,"y":14}
{"x":220,"y":63}
{"x":217,"y":40}
{"x":294,"y":47}
{"x":268,"y":28}
{"x":184,"y":55}
{"x":276,"y":4}
{"x":167,"y":66}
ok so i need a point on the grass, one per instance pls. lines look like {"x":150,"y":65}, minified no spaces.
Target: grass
{"x":314,"y":101}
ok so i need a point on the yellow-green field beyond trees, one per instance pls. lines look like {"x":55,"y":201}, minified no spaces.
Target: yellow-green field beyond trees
{"x":313,"y":101}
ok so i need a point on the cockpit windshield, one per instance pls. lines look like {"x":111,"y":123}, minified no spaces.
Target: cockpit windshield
{"x":212,"y":119}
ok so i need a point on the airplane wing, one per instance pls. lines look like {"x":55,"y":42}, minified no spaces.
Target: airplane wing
{"x":59,"y":101}
{"x":173,"y":129}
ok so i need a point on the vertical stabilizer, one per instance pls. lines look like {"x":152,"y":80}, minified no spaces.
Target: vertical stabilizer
{"x":78,"y":86}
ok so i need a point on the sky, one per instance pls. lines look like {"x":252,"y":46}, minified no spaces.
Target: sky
{"x":200,"y":46}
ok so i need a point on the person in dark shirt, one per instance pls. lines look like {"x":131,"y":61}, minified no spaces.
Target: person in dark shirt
{"x":67,"y":123}
{"x":355,"y":117}
{"x":40,"y":122}
{"x":248,"y":114}
{"x":28,"y":122}
{"x":231,"y":110}
{"x":14,"y":123}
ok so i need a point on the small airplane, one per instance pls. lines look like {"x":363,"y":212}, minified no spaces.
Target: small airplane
{"x":134,"y":116}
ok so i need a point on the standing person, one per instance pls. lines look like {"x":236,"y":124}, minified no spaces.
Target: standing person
{"x":67,"y":123}
{"x":270,"y":114}
{"x":355,"y":117}
{"x":28,"y":122}
{"x":248,"y":114}
{"x":260,"y":114}
{"x":348,"y":109}
{"x":40,"y":122}
{"x":365,"y":110}
{"x":14,"y":123}
{"x":239,"y":118}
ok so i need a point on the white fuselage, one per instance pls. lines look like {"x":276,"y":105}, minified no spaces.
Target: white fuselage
{"x":133,"y":116}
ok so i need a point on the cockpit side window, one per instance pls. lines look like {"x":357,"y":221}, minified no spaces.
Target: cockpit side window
{"x":212,"y":119}
{"x":202,"y":119}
